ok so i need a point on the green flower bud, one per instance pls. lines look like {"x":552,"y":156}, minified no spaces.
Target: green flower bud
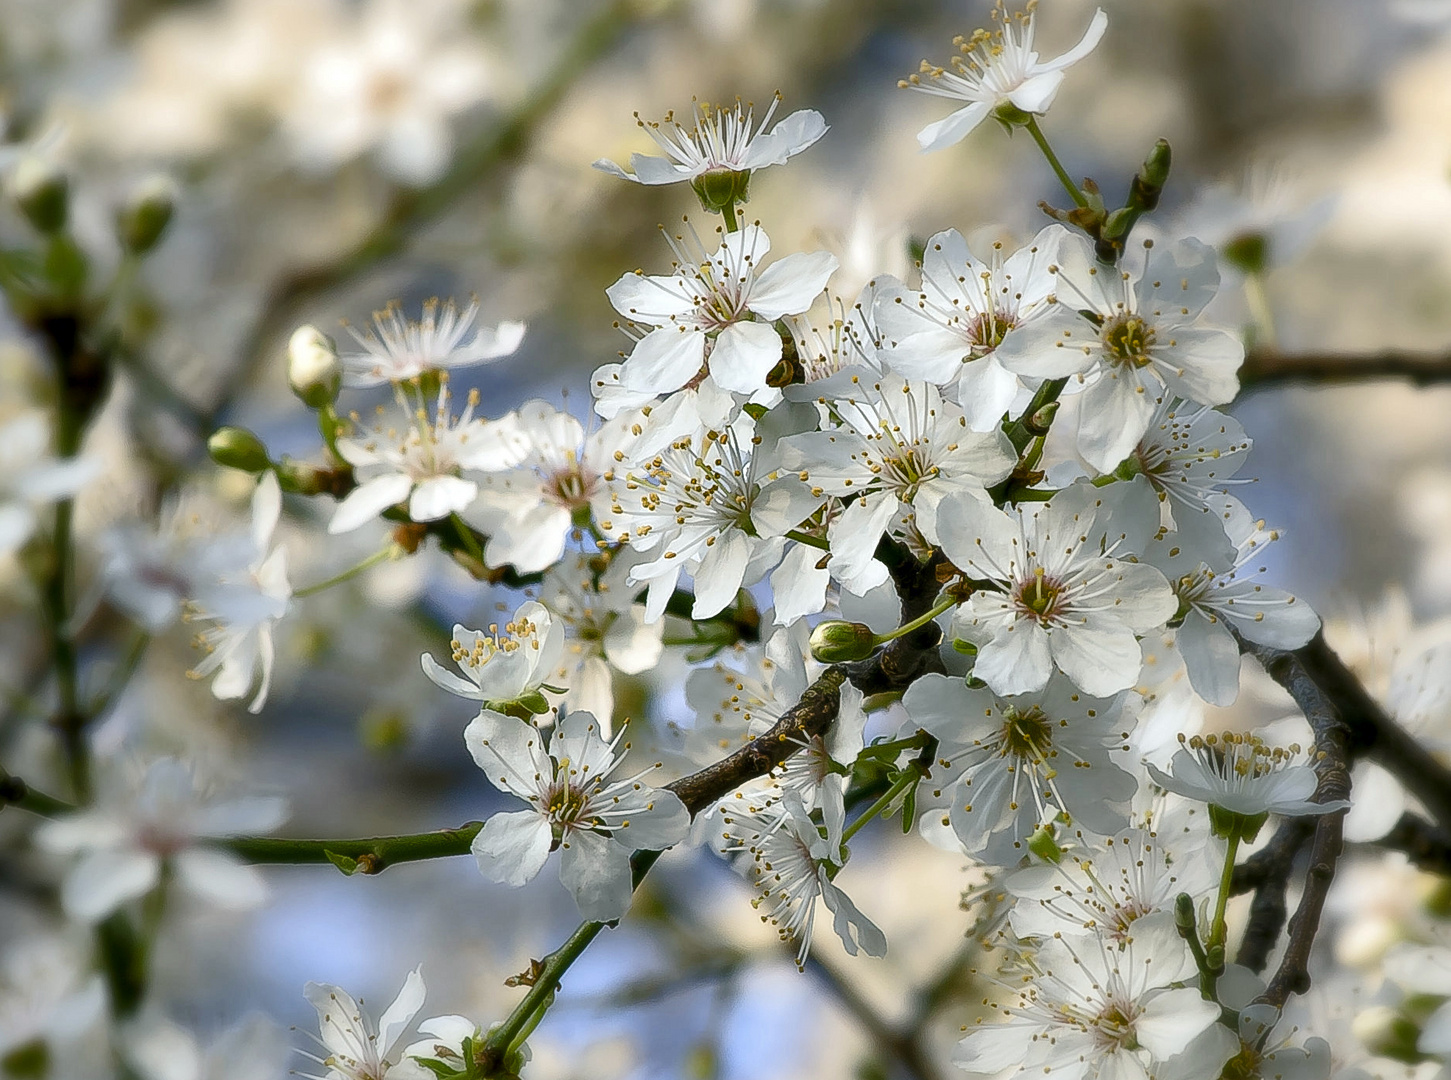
{"x":238,"y":448}
{"x":1229,"y":824}
{"x":1042,"y":419}
{"x":1184,"y":913}
{"x":28,"y":1061}
{"x":144,"y":219}
{"x":42,"y":192}
{"x":313,"y":370}
{"x":1249,"y":252}
{"x":837,"y":641}
{"x":720,"y":189}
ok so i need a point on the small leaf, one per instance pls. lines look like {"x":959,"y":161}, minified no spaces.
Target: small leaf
{"x":342,"y":862}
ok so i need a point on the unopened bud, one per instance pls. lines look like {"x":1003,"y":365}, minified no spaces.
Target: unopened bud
{"x":1155,"y":170}
{"x":238,"y":448}
{"x":720,"y":189}
{"x":146,"y":215}
{"x":837,"y":641}
{"x":1042,"y":419}
{"x":313,"y":370}
{"x":1249,"y":252}
{"x":1184,"y":913}
{"x":42,"y":192}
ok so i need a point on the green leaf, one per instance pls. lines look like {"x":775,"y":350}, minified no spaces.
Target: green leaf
{"x":342,"y":862}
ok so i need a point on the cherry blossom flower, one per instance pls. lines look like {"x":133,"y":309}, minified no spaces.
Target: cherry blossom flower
{"x":1244,"y":775}
{"x":422,"y":463}
{"x":529,"y":510}
{"x":1092,"y":1012}
{"x":791,"y":864}
{"x":395,"y":349}
{"x":502,"y":667}
{"x":707,"y":503}
{"x":895,"y":451}
{"x":997,"y":73}
{"x":721,"y":305}
{"x":1218,"y":600}
{"x":48,"y":994}
{"x":1006,"y":765}
{"x":721,"y":140}
{"x":158,"y":1049}
{"x":158,"y":818}
{"x":1065,"y":594}
{"x":574,"y":805}
{"x":242,"y":607}
{"x":1140,"y":343}
{"x":355,"y":1050}
{"x":948,"y":331}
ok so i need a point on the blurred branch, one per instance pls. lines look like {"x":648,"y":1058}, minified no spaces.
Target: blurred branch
{"x":901,"y":1048}
{"x":1426,"y":845}
{"x":1269,"y":367}
{"x":411,"y":209}
{"x":17,"y":793}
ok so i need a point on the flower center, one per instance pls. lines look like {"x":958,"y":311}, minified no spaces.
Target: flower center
{"x":566,"y":802}
{"x":571,"y":487}
{"x":1113,"y":1028}
{"x":1127,"y":340}
{"x":1040,"y":597}
{"x":1027,"y":734}
{"x":986,"y":331}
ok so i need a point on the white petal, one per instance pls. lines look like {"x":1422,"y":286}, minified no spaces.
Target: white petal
{"x":1211,"y":657}
{"x":1016,"y":661}
{"x":1101,"y":662}
{"x":396,"y":1018}
{"x":447,"y":680}
{"x":664,"y":360}
{"x":743,"y":355}
{"x":512,"y":848}
{"x":790,"y":285}
{"x":664,"y":824}
{"x":597,"y":871}
{"x":720,"y":574}
{"x":952,"y":129}
{"x":220,"y":878}
{"x":1036,"y":93}
{"x":439,"y":496}
{"x":799,"y":584}
{"x":368,"y":500}
{"x":104,"y":880}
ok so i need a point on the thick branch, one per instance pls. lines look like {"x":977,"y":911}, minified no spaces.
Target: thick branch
{"x":1337,"y":724}
{"x":1268,"y":367}
{"x":1427,"y":846}
{"x":1268,"y":873}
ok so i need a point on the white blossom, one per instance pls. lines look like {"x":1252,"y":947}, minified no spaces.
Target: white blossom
{"x":721,"y":140}
{"x":1141,"y":343}
{"x":1244,"y":775}
{"x":1063,"y":592}
{"x":995,"y":69}
{"x":395,"y":348}
{"x":1086,"y":1011}
{"x":30,"y":477}
{"x":502,"y":666}
{"x":791,"y":864}
{"x":715,"y":312}
{"x":242,"y":606}
{"x":574,"y":805}
{"x":1006,"y":765}
{"x":158,"y":819}
{"x":1218,"y":600}
{"x":422,"y":463}
{"x":948,"y":331}
{"x":355,"y":1050}
{"x":529,"y":510}
{"x":48,"y":993}
{"x":1189,"y":454}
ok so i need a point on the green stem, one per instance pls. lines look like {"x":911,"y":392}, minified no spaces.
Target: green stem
{"x":800,"y":537}
{"x":1214,"y":947}
{"x":350,"y":573}
{"x":909,"y":776}
{"x":945,"y":604}
{"x":467,"y":538}
{"x":17,"y":793}
{"x":1063,"y":178}
{"x":1019,"y":431}
{"x":372,"y":853}
{"x":729,"y":213}
{"x":1258,"y":299}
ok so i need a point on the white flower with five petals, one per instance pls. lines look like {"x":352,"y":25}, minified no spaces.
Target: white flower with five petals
{"x":1244,"y":775}
{"x":502,"y":666}
{"x":575,"y":804}
{"x":355,"y":1051}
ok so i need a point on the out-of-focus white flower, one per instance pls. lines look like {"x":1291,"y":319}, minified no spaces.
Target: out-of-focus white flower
{"x":722,"y":302}
{"x":152,"y":821}
{"x":47,"y":994}
{"x":573,"y":805}
{"x":503,"y":667}
{"x":1244,"y":775}
{"x":396,"y":348}
{"x":30,"y":477}
{"x":1067,"y":595}
{"x":529,"y":510}
{"x":1098,"y":1013}
{"x":421,"y":463}
{"x":1011,"y":764}
{"x":948,"y":331}
{"x":242,"y":608}
{"x":1143,"y":343}
{"x":389,"y":86}
{"x":722,"y":140}
{"x":158,"y":1049}
{"x":605,"y":631}
{"x":1257,"y":224}
{"x":791,"y":864}
{"x":1217,"y":601}
{"x":355,"y":1051}
{"x":997,"y":71}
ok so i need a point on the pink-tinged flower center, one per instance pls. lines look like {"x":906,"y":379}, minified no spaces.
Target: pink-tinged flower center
{"x":986,"y":331}
{"x":1127,"y":340}
{"x":571,"y":486}
{"x":1113,"y":1028}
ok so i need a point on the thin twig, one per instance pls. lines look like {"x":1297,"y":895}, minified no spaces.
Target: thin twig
{"x":895,"y":1047}
{"x":1427,"y":846}
{"x":1270,"y":367}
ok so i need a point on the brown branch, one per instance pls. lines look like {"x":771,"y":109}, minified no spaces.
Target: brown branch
{"x":899,"y":1047}
{"x":1269,"y":367}
{"x":1336,"y":723}
{"x":1268,"y":873}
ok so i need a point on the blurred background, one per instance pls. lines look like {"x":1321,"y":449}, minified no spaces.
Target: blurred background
{"x":332,"y":156}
